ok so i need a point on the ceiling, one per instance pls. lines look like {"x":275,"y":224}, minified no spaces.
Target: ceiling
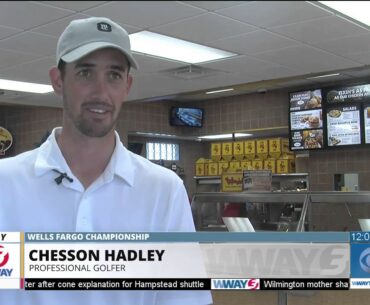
{"x":279,"y":44}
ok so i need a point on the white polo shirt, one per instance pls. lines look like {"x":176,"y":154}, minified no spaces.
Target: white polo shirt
{"x":132,"y":194}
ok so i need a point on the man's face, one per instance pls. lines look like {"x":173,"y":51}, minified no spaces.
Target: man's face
{"x":94,"y":89}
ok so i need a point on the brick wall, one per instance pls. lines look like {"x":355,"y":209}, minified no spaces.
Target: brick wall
{"x":253,"y":111}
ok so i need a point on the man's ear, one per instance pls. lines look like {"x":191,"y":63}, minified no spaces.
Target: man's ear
{"x":56,"y":80}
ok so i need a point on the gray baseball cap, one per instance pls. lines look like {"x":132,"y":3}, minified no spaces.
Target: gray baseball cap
{"x":83,"y":36}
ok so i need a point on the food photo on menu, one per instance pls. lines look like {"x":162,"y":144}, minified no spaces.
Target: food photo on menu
{"x":306,"y":119}
{"x":343,"y":126}
{"x":305,"y":100}
{"x":307,"y":139}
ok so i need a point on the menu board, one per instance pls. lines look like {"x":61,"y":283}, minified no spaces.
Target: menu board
{"x":367,"y":123}
{"x":305,"y":100}
{"x":343,"y":125}
{"x":358,"y":93}
{"x":306,"y":120}
{"x":307,"y":139}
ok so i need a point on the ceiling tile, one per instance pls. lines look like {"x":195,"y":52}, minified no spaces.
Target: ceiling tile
{"x":26,"y":14}
{"x":145,"y":14}
{"x":214,"y":5}
{"x":29,"y":42}
{"x":273,"y":13}
{"x":250,"y":67}
{"x":359,"y":73}
{"x":11,"y":58}
{"x":34,"y":71}
{"x":346,"y":46}
{"x":306,"y":59}
{"x":150,"y":64}
{"x":322,"y":29}
{"x":6,"y":31}
{"x":76,"y":6}
{"x":361,"y":57}
{"x":204,"y":28}
{"x":254,"y":42}
{"x":56,"y":28}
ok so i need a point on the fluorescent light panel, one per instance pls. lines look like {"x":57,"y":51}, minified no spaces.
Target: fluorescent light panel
{"x":358,"y":10}
{"x":225,"y":136}
{"x":24,"y":86}
{"x":173,"y":48}
{"x":322,"y":76}
{"x":219,"y":91}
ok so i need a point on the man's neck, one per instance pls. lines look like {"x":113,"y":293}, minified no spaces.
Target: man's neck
{"x":87,"y":157}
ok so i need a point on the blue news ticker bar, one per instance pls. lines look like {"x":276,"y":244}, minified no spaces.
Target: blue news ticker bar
{"x":207,"y":237}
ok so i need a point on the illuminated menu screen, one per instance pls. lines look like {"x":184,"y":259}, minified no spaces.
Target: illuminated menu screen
{"x":343,"y":125}
{"x":359,"y":93}
{"x":367,"y":123}
{"x":306,"y":124}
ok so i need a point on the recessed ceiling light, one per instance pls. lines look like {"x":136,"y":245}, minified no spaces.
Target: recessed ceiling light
{"x":173,"y":48}
{"x":225,"y":136}
{"x":24,"y":86}
{"x":219,"y":91}
{"x":358,"y":10}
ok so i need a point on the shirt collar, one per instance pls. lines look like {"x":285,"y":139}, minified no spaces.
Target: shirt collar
{"x":50,"y":157}
{"x":121,"y":163}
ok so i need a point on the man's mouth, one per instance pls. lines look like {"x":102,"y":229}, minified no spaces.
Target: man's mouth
{"x":97,"y":110}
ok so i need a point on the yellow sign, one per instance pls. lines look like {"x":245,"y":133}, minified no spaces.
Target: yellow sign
{"x":238,"y":150}
{"x":232,"y":182}
{"x":277,"y":146}
{"x":222,"y":166}
{"x":227,"y":151}
{"x":212,"y":169}
{"x":250,"y":149}
{"x":216,"y":151}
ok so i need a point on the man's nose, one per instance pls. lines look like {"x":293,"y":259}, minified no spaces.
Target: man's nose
{"x":101,"y":87}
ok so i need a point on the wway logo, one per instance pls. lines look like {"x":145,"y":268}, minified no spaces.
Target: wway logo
{"x":4,"y":258}
{"x":360,"y":283}
{"x":246,"y":284}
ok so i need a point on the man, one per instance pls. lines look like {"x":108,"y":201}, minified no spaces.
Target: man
{"x":82,"y":178}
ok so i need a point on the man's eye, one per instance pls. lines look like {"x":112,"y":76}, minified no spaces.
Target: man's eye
{"x":115,"y":76}
{"x":84,"y":73}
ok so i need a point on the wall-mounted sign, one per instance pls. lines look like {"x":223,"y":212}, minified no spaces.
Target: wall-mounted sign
{"x":343,"y":125}
{"x":367,"y":123}
{"x":257,"y":180}
{"x":305,"y":100}
{"x":6,"y":140}
{"x":359,"y":93}
{"x":306,"y":120}
{"x":341,"y":119}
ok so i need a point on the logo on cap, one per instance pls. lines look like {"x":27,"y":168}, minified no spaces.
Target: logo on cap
{"x":104,"y":27}
{"x":4,"y":256}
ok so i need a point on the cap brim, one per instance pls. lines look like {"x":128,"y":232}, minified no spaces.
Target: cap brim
{"x":84,"y":50}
